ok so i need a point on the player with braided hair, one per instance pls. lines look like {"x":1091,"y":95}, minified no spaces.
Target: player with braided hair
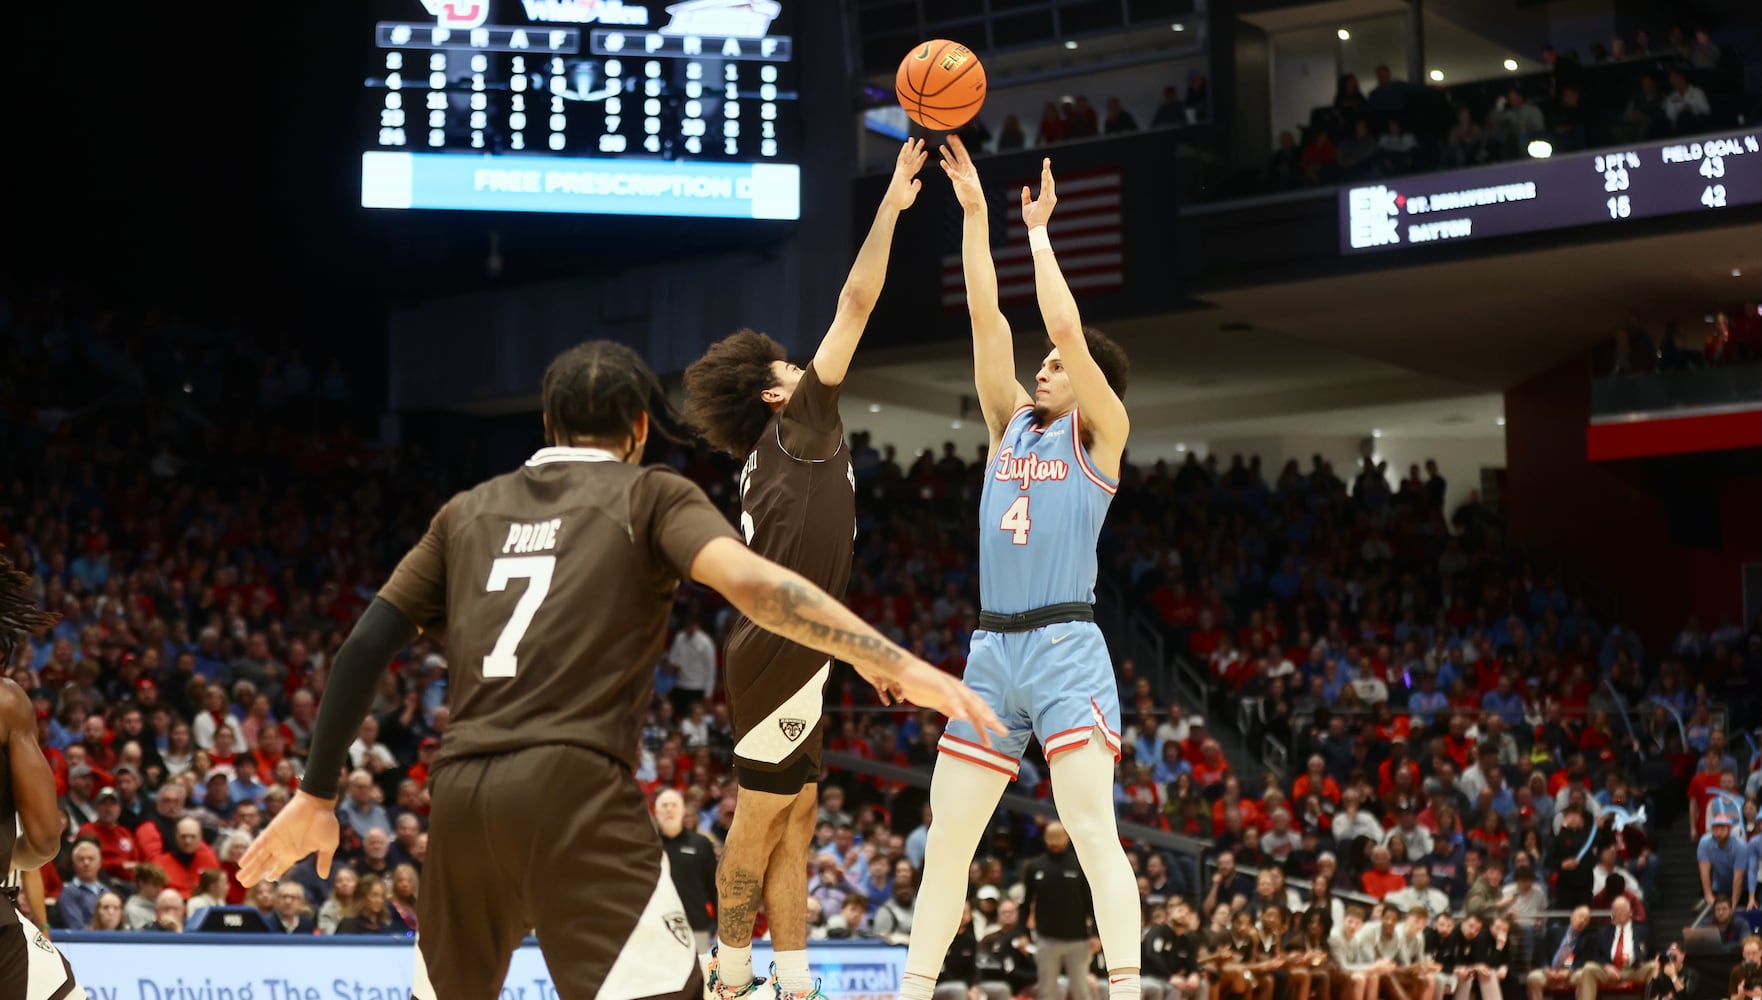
{"x":553,"y":586}
{"x":30,"y":818}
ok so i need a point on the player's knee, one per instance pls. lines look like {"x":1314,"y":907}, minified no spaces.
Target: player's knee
{"x":1090,"y":823}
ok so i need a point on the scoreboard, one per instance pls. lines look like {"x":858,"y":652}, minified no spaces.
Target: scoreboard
{"x":584,"y":106}
{"x":1708,"y":174}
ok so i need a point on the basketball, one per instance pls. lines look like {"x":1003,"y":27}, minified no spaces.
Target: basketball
{"x":941,"y":85}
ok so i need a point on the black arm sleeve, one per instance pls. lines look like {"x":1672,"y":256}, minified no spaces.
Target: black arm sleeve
{"x":349,"y":690}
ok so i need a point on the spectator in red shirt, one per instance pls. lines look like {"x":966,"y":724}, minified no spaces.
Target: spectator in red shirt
{"x":1315,"y":781}
{"x":158,"y":832}
{"x":187,"y":858}
{"x":1387,"y":727}
{"x":1701,"y":789}
{"x":1397,"y":763}
{"x":1176,"y":607}
{"x":424,"y":759}
{"x":1458,"y":745}
{"x":1379,"y":881}
{"x":1193,"y":747}
{"x":1247,"y":671}
{"x":666,"y":776}
{"x":850,"y":741}
{"x":1488,"y":669}
{"x":1205,"y":638}
{"x":96,"y":739}
{"x":262,"y":760}
{"x":1224,"y":660}
{"x":119,"y":850}
{"x":1253,"y":818}
{"x":1490,"y":836}
{"x":1211,"y":767}
{"x":1320,"y":158}
{"x":1574,"y":774}
{"x":1259,"y":633}
{"x":1053,"y":125}
{"x":1141,"y":788}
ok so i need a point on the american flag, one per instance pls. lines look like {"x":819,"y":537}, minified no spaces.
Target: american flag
{"x":1085,"y":233}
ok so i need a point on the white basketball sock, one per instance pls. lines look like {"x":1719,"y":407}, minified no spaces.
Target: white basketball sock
{"x":1123,"y":986}
{"x":1082,"y":789}
{"x":916,"y":987}
{"x":792,"y":972}
{"x":734,"y":966}
{"x":963,"y":796}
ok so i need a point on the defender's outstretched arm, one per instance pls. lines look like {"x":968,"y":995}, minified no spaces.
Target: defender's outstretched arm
{"x":861,"y":290}
{"x":994,"y":356}
{"x":1102,"y":409}
{"x":784,"y":603}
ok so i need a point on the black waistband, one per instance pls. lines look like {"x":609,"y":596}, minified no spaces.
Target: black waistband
{"x":1028,"y":621}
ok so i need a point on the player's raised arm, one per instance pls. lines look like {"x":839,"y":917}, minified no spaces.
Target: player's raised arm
{"x":994,"y":356}
{"x":33,"y":783}
{"x":1102,"y":410}
{"x":783,"y":602}
{"x":863,"y":287}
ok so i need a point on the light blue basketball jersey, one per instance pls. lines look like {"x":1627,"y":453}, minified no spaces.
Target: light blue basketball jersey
{"x":1040,"y":517}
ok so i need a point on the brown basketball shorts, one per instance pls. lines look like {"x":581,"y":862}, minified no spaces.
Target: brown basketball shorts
{"x":554,"y":840}
{"x":776,"y":698}
{"x":30,"y":967}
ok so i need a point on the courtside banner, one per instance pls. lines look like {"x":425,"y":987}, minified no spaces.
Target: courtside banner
{"x":148,"y":966}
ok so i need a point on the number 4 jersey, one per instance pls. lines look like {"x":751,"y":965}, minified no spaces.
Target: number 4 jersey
{"x":1040,"y":516}
{"x":552,"y":586}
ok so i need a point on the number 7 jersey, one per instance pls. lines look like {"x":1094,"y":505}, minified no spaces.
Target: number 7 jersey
{"x":552,"y":586}
{"x":1040,"y":516}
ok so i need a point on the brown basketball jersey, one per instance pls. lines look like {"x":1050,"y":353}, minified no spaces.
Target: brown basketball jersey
{"x":552,"y":585}
{"x":798,"y":491}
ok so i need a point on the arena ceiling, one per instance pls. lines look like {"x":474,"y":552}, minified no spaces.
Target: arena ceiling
{"x":1425,"y":350}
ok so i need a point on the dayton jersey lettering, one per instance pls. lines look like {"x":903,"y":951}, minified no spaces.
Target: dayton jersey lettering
{"x":1039,"y":517}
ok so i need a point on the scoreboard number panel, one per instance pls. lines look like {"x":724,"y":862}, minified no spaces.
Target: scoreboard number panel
{"x":1705,"y":174}
{"x":584,"y":106}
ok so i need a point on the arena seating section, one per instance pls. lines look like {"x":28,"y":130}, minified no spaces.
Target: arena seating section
{"x":210,"y":518}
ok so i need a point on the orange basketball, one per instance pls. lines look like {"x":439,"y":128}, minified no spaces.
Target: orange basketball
{"x":941,"y":85}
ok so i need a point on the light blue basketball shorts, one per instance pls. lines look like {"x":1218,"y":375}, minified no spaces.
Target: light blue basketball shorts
{"x":1055,"y":683}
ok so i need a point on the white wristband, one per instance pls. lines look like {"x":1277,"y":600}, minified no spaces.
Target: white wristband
{"x":1037,"y":239}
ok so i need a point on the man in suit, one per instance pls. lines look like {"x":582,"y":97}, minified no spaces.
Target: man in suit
{"x":1616,"y":955}
{"x":291,"y":915}
{"x":79,"y":895}
{"x":1562,"y":957}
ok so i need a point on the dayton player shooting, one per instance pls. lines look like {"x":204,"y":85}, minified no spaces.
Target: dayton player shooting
{"x":798,"y":508}
{"x":1038,"y":658}
{"x":30,"y":817}
{"x":553,"y":585}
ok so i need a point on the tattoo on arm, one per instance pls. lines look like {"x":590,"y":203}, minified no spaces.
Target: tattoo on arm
{"x":796,"y":611}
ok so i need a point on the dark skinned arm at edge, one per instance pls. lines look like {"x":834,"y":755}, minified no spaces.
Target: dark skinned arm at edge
{"x":33,"y":783}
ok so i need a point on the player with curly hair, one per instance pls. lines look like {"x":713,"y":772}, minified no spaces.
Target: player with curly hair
{"x":798,"y":508}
